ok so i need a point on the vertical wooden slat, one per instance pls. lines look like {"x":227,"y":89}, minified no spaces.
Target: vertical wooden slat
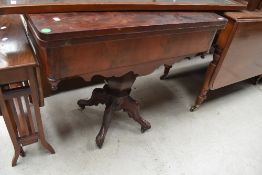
{"x":15,"y":115}
{"x":27,"y":118}
{"x":40,"y":89}
{"x":22,"y":117}
{"x":29,"y":113}
{"x":12,"y":118}
{"x":33,"y":85}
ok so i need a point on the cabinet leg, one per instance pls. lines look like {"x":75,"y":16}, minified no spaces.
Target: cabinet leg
{"x":200,"y":99}
{"x":166,"y":71}
{"x":207,"y":80}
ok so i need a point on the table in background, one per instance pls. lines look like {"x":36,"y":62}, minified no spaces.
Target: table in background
{"x":238,"y":54}
{"x":44,"y":6}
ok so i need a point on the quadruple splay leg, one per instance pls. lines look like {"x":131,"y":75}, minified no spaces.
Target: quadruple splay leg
{"x":130,"y":106}
{"x":115,"y":95}
{"x":99,"y":96}
{"x":105,"y":125}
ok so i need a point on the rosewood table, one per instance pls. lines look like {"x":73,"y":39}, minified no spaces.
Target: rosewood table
{"x":45,"y":6}
{"x":118,"y":46}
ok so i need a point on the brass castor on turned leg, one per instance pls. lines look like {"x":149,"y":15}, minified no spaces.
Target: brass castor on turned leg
{"x":194,"y":108}
{"x":200,"y":99}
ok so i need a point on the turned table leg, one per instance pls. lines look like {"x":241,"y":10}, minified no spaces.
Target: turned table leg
{"x":207,"y":80}
{"x":116,"y":96}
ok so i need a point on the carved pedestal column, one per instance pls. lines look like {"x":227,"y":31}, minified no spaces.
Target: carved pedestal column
{"x":116,"y":96}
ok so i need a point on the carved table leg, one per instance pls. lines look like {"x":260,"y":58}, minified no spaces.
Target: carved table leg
{"x":105,"y":125}
{"x":206,"y":85}
{"x":99,"y":96}
{"x":130,"y":106}
{"x":166,"y":71}
{"x":116,"y":96}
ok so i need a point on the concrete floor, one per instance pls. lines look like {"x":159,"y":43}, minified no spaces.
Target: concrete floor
{"x":224,"y":137}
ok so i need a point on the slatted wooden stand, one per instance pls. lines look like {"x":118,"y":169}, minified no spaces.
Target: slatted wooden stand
{"x":19,"y":88}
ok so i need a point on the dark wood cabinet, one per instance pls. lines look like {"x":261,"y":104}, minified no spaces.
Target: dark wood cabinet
{"x":238,"y":53}
{"x":254,"y":4}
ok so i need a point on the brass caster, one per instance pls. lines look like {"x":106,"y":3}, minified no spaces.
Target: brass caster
{"x":194,"y":108}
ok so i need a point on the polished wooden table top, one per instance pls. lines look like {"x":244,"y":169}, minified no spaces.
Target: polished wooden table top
{"x":70,"y":26}
{"x":244,"y":15}
{"x":12,"y":42}
{"x":40,"y":6}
